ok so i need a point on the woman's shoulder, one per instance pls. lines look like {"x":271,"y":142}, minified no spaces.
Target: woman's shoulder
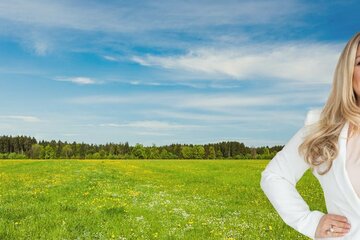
{"x":312,"y":116}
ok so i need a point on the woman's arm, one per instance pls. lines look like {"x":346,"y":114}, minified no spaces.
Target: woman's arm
{"x":278,"y":182}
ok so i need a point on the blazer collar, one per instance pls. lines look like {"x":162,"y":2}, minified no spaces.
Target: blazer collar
{"x":340,"y":171}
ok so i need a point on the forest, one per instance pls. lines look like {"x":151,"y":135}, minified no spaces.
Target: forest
{"x":25,"y":147}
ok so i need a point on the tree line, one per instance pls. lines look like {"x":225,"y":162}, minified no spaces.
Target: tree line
{"x":24,"y":147}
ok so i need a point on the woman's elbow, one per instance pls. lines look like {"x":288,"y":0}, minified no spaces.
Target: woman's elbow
{"x":264,"y":180}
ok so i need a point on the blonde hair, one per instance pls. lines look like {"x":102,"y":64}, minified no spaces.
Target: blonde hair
{"x":321,"y":144}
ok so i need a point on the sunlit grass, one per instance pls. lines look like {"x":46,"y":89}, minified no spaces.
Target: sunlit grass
{"x":141,"y":199}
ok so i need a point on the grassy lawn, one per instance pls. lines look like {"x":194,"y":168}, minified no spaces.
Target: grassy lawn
{"x":141,"y":199}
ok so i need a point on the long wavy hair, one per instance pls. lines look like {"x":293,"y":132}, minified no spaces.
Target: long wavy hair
{"x":320,"y":145}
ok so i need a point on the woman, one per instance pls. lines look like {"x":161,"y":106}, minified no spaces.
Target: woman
{"x":328,"y":144}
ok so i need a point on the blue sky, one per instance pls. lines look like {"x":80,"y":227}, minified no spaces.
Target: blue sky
{"x":162,"y":72}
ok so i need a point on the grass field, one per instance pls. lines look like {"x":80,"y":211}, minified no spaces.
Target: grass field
{"x":141,"y":199}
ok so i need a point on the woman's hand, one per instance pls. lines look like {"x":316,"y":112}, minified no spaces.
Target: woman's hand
{"x":332,"y":225}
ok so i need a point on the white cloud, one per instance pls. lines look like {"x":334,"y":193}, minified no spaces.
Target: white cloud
{"x":155,"y":125}
{"x":152,"y":134}
{"x":111,"y":58}
{"x":78,"y":80}
{"x":41,"y":48}
{"x":185,"y":100}
{"x":299,"y":62}
{"x":102,"y":100}
{"x":70,"y":26}
{"x":128,"y":17}
{"x":30,"y":119}
{"x":37,"y":42}
{"x":134,"y":82}
{"x":228,"y":101}
{"x":70,"y":134}
{"x":235,"y":117}
{"x":219,"y":102}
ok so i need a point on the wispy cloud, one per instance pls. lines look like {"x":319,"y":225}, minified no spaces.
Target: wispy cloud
{"x":302,"y":62}
{"x":152,"y":125}
{"x":78,"y":80}
{"x":111,"y":58}
{"x":183,"y":100}
{"x":221,"y":102}
{"x":128,"y":17}
{"x":143,"y":133}
{"x":231,"y":119}
{"x":30,"y":119}
{"x":71,"y":134}
{"x":67,"y":25}
{"x":41,"y":47}
{"x":100,"y":99}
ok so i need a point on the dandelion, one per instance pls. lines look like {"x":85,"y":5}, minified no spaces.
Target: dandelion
{"x":134,"y":193}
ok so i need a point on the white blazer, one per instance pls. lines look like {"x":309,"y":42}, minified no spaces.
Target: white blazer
{"x":280,"y":176}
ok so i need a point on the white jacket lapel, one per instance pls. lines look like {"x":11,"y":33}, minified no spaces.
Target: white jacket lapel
{"x":340,"y":172}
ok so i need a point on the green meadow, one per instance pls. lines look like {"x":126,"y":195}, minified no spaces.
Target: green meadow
{"x":141,"y":199}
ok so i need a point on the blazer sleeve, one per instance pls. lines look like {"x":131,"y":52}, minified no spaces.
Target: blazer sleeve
{"x":278,"y":182}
